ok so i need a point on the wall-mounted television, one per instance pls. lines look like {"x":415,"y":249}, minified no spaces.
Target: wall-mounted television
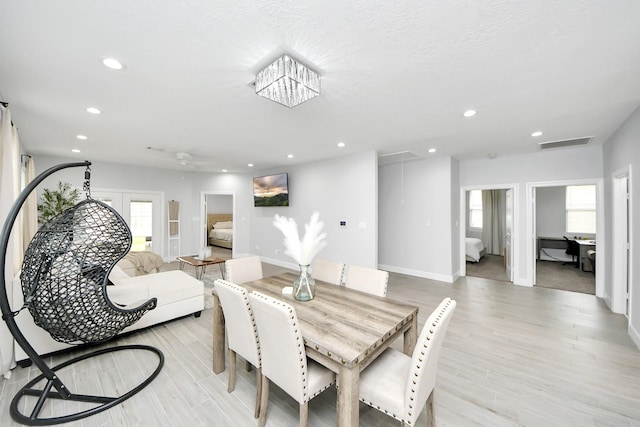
{"x":271,"y":190}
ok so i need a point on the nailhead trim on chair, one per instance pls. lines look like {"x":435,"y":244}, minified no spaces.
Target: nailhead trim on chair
{"x":415,"y":374}
{"x":301,"y":351}
{"x":244,"y":293}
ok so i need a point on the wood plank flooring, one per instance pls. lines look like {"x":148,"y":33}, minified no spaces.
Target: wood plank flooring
{"x":513,"y":356}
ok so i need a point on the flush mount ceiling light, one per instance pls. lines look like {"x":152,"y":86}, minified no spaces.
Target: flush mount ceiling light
{"x":287,"y":82}
{"x":93,"y":110}
{"x":469,"y":113}
{"x":432,"y":150}
{"x":82,"y":137}
{"x":536,"y":133}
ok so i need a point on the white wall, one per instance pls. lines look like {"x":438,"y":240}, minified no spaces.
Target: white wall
{"x":339,"y":189}
{"x":578,"y":163}
{"x":417,"y":218}
{"x":622,"y":151}
{"x":219,"y":204}
{"x":551,"y":211}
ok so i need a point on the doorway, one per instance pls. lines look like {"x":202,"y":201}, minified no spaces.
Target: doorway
{"x":218,"y":204}
{"x":488,"y":232}
{"x":563,"y":213}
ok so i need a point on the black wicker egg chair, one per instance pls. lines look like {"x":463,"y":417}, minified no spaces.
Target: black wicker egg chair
{"x":64,"y":278}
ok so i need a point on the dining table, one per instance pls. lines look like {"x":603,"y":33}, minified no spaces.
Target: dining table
{"x":343,"y":329}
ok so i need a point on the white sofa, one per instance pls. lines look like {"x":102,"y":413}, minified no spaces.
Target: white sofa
{"x":178,"y":294}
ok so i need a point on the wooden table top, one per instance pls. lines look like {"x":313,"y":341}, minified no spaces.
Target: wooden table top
{"x":344,"y":325}
{"x":198,"y":262}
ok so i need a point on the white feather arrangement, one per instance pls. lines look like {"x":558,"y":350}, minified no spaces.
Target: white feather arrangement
{"x":313,"y":241}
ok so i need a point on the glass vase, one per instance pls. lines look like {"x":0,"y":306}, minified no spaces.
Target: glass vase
{"x":304,"y":287}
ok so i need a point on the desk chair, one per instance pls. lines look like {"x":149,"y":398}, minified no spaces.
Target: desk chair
{"x":573,"y":249}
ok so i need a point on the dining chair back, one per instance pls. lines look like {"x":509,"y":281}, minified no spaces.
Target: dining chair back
{"x":242,"y":270}
{"x":327,"y":271}
{"x":242,"y":333}
{"x":284,"y":358}
{"x":367,"y":280}
{"x":401,"y":385}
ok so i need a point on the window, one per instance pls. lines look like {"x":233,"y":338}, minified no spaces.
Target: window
{"x":475,"y":209}
{"x":581,"y":209}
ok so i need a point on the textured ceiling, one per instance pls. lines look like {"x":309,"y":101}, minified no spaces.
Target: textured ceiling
{"x":396,"y":76}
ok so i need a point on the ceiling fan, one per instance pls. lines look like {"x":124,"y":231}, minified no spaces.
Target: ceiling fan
{"x":185,"y":159}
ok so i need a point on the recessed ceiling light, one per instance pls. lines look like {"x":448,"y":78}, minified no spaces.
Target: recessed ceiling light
{"x":224,"y":170}
{"x":75,"y":150}
{"x":82,"y":137}
{"x":112,"y":63}
{"x":93,"y":110}
{"x":492,"y":155}
{"x":469,"y":113}
{"x":250,"y":165}
{"x":341,"y":144}
{"x":290,"y":156}
{"x":432,"y":150}
{"x":536,"y":133}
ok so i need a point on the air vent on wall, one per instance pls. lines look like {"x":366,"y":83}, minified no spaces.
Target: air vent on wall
{"x":400,"y":156}
{"x":565,"y":143}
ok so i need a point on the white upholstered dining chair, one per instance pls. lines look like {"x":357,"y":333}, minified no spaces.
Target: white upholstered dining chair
{"x":401,"y":385}
{"x":242,"y":333}
{"x":327,"y":271}
{"x":242,"y":270}
{"x":284,"y":358}
{"x":367,"y":280}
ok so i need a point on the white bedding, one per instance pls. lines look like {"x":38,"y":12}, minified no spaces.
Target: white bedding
{"x":222,"y":234}
{"x":473,"y":248}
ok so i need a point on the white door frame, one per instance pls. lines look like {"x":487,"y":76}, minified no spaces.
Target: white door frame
{"x":515,"y":236}
{"x":531,"y":226}
{"x":621,"y":251}
{"x":203,"y":215}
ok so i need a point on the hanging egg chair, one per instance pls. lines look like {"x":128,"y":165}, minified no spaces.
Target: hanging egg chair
{"x":64,"y":279}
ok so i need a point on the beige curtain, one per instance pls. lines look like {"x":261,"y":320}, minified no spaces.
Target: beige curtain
{"x":493,"y":213}
{"x":9,"y":190}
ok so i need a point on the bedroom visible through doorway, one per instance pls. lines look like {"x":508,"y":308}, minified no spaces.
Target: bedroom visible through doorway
{"x":219,"y":223}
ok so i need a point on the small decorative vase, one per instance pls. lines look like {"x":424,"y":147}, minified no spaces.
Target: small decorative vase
{"x":304,"y":287}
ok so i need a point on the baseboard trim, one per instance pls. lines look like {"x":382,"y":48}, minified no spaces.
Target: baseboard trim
{"x":418,"y":273}
{"x":635,"y":336}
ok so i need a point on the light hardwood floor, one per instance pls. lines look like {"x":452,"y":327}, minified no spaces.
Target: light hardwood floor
{"x":513,"y":356}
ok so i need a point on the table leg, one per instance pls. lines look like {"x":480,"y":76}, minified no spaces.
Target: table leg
{"x":348,"y":405}
{"x":181,"y":265}
{"x":222,"y":271}
{"x":199,"y":271}
{"x":411,"y":336}
{"x":218,"y":336}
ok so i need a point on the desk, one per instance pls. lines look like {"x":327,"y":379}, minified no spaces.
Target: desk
{"x":585,"y":245}
{"x":344,"y":330}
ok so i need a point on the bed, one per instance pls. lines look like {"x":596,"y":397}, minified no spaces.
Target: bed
{"x":474,"y":249}
{"x":220,"y":230}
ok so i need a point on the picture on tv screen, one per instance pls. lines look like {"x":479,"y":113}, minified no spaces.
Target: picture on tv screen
{"x":271,"y":190}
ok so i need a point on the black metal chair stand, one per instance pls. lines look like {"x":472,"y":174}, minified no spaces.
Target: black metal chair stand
{"x":64,"y":278}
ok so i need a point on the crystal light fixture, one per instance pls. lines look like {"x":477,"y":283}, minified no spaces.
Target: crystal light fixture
{"x":287,"y":82}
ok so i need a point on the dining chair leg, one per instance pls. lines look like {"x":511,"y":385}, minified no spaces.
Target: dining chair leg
{"x":304,"y":414}
{"x":232,"y":371}
{"x":431,"y":419}
{"x":256,"y":413}
{"x":264,"y":398}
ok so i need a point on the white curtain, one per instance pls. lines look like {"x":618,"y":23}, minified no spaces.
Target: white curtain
{"x":30,"y":207}
{"x":493,"y":213}
{"x":9,"y":190}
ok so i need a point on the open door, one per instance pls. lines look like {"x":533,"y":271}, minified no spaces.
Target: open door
{"x":508,"y":237}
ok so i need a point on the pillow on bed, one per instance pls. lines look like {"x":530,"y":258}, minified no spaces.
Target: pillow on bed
{"x":223,"y":224}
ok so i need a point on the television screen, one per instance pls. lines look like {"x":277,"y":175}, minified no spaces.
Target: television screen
{"x":271,"y":190}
